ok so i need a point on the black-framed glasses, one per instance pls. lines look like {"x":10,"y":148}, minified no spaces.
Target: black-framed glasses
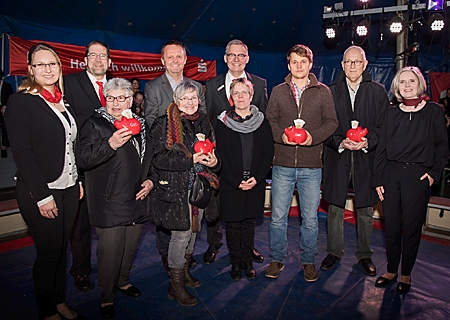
{"x":118,"y":98}
{"x":234,"y":55}
{"x":93,"y":56}
{"x":52,"y":65}
{"x":357,"y":63}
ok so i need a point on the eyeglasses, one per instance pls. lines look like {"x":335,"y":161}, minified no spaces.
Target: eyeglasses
{"x":233,"y":55}
{"x":237,"y":93}
{"x":52,"y":65}
{"x":118,"y":98}
{"x":93,"y":56}
{"x":185,"y":99}
{"x":357,"y":63}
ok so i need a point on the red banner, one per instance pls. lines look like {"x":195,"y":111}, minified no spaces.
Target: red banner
{"x":439,"y":83}
{"x":125,"y":64}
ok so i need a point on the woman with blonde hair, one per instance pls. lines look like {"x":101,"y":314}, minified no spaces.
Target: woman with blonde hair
{"x":42,"y":133}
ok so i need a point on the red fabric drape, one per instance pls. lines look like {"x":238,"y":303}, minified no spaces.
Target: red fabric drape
{"x":125,"y":64}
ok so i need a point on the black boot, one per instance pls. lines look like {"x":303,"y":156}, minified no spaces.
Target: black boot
{"x":178,"y":291}
{"x":189,"y":280}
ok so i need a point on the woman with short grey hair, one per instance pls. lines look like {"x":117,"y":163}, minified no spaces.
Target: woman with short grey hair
{"x":116,"y":165}
{"x":176,"y":165}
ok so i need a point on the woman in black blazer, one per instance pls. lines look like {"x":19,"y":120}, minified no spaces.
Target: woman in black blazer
{"x":42,"y":133}
{"x":244,"y":140}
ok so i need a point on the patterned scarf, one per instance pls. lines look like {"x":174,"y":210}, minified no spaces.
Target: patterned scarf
{"x":102,"y":111}
{"x":173,"y":128}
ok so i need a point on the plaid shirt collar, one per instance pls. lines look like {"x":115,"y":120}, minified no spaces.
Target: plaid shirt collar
{"x":297,"y":92}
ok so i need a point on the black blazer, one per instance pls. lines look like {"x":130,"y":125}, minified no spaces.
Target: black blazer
{"x":7,"y":91}
{"x":37,"y":140}
{"x":216,"y":97}
{"x":80,"y":94}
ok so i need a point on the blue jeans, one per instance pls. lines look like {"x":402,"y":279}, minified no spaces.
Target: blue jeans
{"x":307,"y":181}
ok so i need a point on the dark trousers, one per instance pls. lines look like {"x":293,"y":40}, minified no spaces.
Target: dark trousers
{"x":405,"y":207}
{"x":80,"y":242}
{"x":51,"y":237}
{"x":162,"y":240}
{"x":214,"y":228}
{"x":240,"y":240}
{"x":115,"y":249}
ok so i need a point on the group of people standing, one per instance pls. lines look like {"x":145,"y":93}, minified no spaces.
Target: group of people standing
{"x":63,"y":139}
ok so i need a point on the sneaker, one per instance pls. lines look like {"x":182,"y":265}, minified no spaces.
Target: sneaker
{"x":310,"y":272}
{"x":274,"y":269}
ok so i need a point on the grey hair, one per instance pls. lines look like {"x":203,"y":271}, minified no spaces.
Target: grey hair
{"x":235,"y":42}
{"x":118,"y":83}
{"x":363,"y":53}
{"x":182,"y":88}
{"x":395,"y":82}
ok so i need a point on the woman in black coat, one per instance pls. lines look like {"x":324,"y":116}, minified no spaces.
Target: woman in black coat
{"x":42,"y":133}
{"x":245,"y":144}
{"x":116,"y":165}
{"x":176,"y":164}
{"x":411,"y":154}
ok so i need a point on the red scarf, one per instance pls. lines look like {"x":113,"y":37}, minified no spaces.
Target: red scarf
{"x":49,"y":97}
{"x":415,"y":102}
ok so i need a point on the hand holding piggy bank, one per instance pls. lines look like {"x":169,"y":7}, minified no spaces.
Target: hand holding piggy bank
{"x":128,"y":122}
{"x":296,"y":133}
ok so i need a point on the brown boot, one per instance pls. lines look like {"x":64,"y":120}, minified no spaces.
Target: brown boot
{"x":177,"y":289}
{"x":189,"y":280}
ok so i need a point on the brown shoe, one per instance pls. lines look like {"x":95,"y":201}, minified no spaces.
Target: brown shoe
{"x":274,"y":269}
{"x":310,"y":272}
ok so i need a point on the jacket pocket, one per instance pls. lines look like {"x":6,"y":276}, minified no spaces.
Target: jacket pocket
{"x":110,"y":186}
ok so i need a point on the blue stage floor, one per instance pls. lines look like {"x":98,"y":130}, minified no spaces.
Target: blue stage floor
{"x":342,"y":293}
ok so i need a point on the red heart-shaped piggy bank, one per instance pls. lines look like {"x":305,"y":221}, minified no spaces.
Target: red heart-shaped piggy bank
{"x":131,"y":124}
{"x":294,"y":134}
{"x":204,"y":147}
{"x":356,"y":134}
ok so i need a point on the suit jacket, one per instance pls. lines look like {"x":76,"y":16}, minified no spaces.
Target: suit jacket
{"x":6,"y":92}
{"x":80,"y":94}
{"x":158,"y":96}
{"x":216,"y":97}
{"x":37,"y":140}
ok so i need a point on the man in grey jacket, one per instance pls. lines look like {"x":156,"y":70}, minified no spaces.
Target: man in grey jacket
{"x":158,"y":96}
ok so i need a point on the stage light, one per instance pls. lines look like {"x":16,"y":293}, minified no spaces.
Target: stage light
{"x":327,"y":9}
{"x":396,"y":25}
{"x":332,"y":31}
{"x":363,"y":28}
{"x":362,"y":4}
{"x":435,"y":5}
{"x":436,"y":22}
{"x":332,"y":36}
{"x":338,"y":6}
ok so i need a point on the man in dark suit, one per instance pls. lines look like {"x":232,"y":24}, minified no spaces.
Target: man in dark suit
{"x":83,"y":91}
{"x":6,"y":90}
{"x":158,"y":96}
{"x":217,"y":100}
{"x":159,"y":91}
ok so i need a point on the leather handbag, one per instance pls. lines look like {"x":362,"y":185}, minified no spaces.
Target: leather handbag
{"x":201,"y":192}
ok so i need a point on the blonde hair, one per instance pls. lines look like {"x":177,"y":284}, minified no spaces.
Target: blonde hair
{"x":395,"y":82}
{"x":30,"y":85}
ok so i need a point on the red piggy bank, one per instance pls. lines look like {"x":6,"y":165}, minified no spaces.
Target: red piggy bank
{"x":294,"y":134}
{"x":205,"y":146}
{"x":356,"y":134}
{"x":131,"y":124}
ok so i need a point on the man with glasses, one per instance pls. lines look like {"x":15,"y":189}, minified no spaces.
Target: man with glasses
{"x":158,"y":96}
{"x":348,"y":163}
{"x":301,"y":98}
{"x":83,"y":92}
{"x":217,"y":100}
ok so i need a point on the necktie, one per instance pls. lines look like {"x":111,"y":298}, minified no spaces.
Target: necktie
{"x":100,"y":93}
